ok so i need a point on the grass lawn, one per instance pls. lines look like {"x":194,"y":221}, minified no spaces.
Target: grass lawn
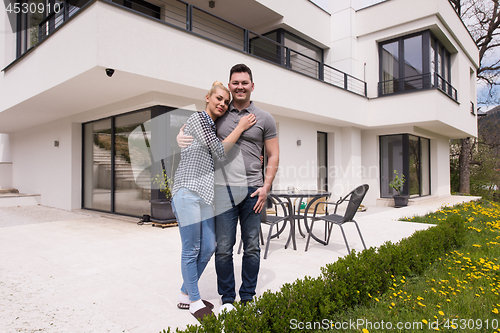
{"x":459,"y":292}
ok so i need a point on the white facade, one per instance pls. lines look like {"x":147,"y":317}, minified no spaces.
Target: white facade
{"x":47,"y":93}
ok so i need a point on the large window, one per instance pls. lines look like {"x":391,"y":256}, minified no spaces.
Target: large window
{"x":121,"y":155}
{"x":301,"y":56}
{"x":414,"y":62}
{"x":408,"y":155}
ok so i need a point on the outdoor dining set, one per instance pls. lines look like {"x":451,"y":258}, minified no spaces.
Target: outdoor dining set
{"x":302,"y":209}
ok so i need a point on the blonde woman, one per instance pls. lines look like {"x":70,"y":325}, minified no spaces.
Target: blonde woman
{"x":193,"y":194}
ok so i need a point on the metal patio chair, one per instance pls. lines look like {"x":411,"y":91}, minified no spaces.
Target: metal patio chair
{"x":354,"y":199}
{"x":271,"y":221}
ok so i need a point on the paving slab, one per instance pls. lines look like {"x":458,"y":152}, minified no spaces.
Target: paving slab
{"x":90,"y":272}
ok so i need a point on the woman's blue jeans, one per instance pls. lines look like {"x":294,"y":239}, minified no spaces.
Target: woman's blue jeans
{"x":197,"y":228}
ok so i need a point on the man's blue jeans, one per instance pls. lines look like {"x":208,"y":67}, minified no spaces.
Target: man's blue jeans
{"x":197,"y":228}
{"x":226,"y":221}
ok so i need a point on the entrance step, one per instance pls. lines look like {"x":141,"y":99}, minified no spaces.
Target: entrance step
{"x":8,"y":190}
{"x":12,"y":198}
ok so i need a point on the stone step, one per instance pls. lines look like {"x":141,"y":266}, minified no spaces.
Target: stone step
{"x":8,"y":190}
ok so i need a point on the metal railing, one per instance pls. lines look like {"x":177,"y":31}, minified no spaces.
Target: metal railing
{"x":52,"y":21}
{"x":417,"y":82}
{"x":445,"y":87}
{"x":183,"y":15}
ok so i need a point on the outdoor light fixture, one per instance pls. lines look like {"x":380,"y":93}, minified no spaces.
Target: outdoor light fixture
{"x":110,"y":72}
{"x":299,"y":142}
{"x":56,"y":143}
{"x":211,"y":4}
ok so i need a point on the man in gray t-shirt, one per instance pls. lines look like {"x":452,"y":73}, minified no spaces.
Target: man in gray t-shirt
{"x":240,"y":189}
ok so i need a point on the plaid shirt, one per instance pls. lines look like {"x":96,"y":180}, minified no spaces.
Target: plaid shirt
{"x":196,"y":168}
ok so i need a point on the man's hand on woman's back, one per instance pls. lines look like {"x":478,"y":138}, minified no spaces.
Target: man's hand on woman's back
{"x":183,"y":140}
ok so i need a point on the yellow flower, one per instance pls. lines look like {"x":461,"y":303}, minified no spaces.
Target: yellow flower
{"x":393,"y":304}
{"x":441,"y":313}
{"x":424,"y":321}
{"x":421,"y":304}
{"x":365,"y":330}
{"x":495,"y":310}
{"x":376,"y":299}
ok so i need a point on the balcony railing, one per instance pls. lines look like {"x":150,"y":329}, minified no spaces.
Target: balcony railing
{"x":202,"y":23}
{"x":417,"y":82}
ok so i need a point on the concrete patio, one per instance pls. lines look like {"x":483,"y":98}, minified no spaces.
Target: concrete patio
{"x":83,"y":271}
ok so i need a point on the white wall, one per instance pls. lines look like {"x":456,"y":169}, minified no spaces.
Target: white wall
{"x":41,"y":168}
{"x":440,"y":166}
{"x":5,"y":155}
{"x":5,"y":162}
{"x":370,"y":150}
{"x":343,"y":44}
{"x":5,"y":175}
{"x":303,"y":17}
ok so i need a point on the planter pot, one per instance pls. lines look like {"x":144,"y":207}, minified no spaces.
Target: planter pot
{"x":161,"y":210}
{"x":400,"y":200}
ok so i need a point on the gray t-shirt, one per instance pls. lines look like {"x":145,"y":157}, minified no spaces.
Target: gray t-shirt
{"x":243,"y":166}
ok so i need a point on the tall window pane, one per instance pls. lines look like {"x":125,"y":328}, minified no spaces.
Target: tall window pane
{"x":440,"y":60}
{"x":97,"y":165}
{"x":405,"y":152}
{"x":303,"y":47}
{"x":322,"y":153}
{"x":425,"y":148}
{"x":132,"y":187}
{"x":301,"y":53}
{"x":34,"y":18}
{"x":414,"y":163}
{"x":413,"y":63}
{"x":433,"y":61}
{"x":391,"y":158}
{"x":390,"y":67}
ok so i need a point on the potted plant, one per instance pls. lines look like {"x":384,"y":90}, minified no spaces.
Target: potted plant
{"x":161,"y":209}
{"x":397,"y":184}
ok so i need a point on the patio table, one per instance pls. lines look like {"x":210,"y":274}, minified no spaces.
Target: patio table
{"x":288,"y":195}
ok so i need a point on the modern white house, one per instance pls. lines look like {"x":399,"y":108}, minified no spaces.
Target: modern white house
{"x":358,"y":89}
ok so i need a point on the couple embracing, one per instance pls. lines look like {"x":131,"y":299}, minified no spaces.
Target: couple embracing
{"x":218,"y":182}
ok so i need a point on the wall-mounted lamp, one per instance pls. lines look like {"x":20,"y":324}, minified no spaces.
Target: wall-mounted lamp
{"x":299,"y":142}
{"x":56,"y":144}
{"x":110,"y":72}
{"x":211,"y":4}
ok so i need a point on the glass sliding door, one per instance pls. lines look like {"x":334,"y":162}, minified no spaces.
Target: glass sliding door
{"x":97,"y":165}
{"x":408,"y":155}
{"x":414,"y":164}
{"x":132,"y":187}
{"x":322,"y":161}
{"x":391,"y":158}
{"x":425,"y":157}
{"x":123,"y":154}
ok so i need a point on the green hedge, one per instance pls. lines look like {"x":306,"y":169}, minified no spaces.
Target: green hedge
{"x":350,"y":281}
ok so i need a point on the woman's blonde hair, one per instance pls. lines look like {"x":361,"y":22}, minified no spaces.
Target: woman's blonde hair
{"x":217,"y":85}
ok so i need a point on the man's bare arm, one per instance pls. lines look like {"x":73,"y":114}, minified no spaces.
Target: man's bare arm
{"x":273,"y":159}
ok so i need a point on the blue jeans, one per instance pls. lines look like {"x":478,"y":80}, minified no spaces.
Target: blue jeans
{"x":197,"y":228}
{"x":225,"y":231}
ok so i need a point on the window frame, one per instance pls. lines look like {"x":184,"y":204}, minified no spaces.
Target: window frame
{"x":405,"y":164}
{"x":429,"y":75}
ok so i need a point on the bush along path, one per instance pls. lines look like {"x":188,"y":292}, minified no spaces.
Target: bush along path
{"x":445,"y":278}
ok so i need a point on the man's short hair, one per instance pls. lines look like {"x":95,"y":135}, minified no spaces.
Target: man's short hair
{"x":241,"y":68}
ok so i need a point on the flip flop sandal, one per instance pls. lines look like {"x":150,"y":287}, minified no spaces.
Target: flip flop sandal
{"x":201,"y":313}
{"x":184,"y":306}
